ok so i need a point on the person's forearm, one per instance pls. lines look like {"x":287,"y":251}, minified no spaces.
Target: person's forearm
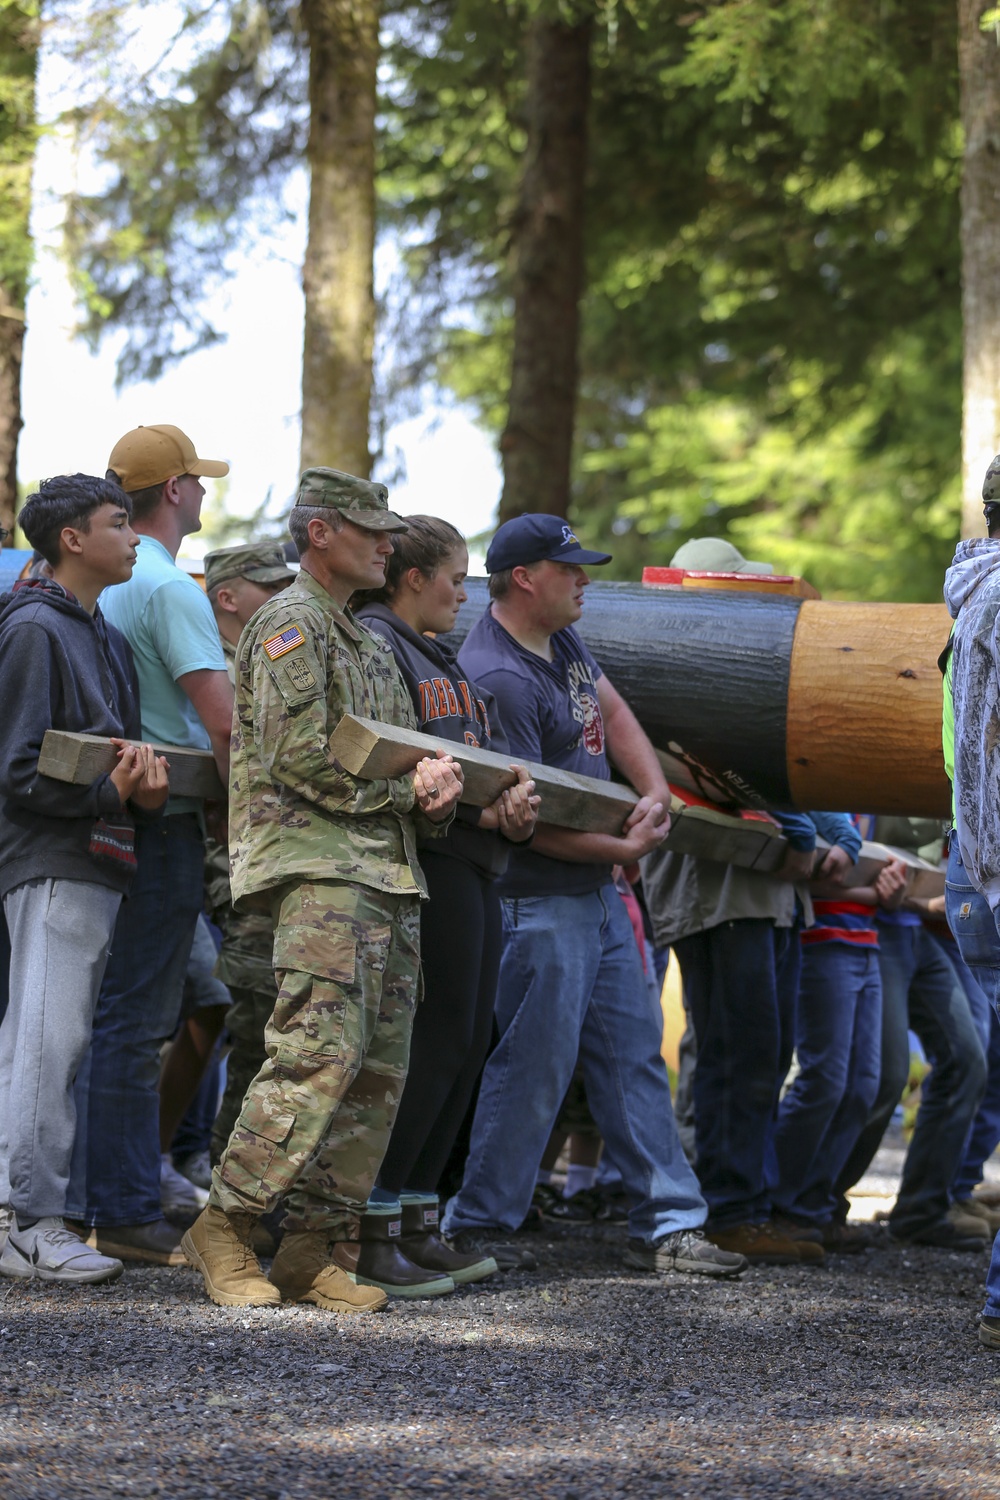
{"x":581,"y":848}
{"x":632,"y":754}
{"x":220,"y":749}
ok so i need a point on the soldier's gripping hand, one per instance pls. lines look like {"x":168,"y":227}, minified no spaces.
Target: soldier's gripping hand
{"x":438,"y":785}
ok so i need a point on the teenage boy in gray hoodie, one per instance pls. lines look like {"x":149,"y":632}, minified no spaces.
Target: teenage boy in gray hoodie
{"x":66,"y":852}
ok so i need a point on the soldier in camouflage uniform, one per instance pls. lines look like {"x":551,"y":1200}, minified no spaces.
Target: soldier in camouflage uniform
{"x":335,"y":858}
{"x":238,"y":580}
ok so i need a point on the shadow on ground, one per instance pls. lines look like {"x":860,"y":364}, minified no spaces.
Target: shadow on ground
{"x":863,"y":1378}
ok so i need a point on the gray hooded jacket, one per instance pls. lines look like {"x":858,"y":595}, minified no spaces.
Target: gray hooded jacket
{"x":972,"y":593}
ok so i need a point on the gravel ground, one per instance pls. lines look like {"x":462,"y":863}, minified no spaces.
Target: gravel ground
{"x":863,"y":1378}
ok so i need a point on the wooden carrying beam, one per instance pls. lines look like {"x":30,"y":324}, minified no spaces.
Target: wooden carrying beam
{"x":81,"y":758}
{"x":372,"y":750}
{"x":367,"y":748}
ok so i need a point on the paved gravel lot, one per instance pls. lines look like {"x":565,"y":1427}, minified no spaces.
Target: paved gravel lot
{"x":863,"y":1378}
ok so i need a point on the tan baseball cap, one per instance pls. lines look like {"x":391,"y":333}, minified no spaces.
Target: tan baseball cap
{"x":151,"y":455}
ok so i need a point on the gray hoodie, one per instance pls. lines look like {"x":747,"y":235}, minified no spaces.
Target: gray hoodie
{"x":972,"y":593}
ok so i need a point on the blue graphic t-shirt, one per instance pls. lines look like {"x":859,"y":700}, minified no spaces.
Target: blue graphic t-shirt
{"x":551,"y":714}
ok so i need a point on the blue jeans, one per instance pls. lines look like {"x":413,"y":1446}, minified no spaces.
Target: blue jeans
{"x":838,"y":1032}
{"x":571,"y":983}
{"x":975,"y":931}
{"x":977,"y":964}
{"x":920,"y":989}
{"x":740,"y":982}
{"x":115,"y":1177}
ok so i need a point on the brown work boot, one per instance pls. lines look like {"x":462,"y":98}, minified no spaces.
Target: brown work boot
{"x":974,"y":1208}
{"x":305,"y":1269}
{"x":422,"y":1243}
{"x":848,"y":1239}
{"x":218,"y":1245}
{"x":796,"y":1231}
{"x":762,"y":1244}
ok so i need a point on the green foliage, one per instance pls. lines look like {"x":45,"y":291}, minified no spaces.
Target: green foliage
{"x":192,"y":156}
{"x":771,"y":336}
{"x":19,"y":38}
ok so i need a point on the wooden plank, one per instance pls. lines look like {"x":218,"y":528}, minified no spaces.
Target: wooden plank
{"x":924,"y":880}
{"x":710,"y":833}
{"x":367,"y":748}
{"x":81,"y":758}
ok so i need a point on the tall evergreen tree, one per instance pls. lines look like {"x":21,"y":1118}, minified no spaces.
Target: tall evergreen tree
{"x":19,"y":42}
{"x":979,"y":74}
{"x":196,"y":156}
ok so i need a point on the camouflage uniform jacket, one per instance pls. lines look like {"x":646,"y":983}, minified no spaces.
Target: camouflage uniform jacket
{"x":295,"y":814}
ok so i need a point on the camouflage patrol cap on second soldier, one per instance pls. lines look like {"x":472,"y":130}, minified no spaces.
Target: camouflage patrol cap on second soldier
{"x":991,"y":491}
{"x":261,"y":562}
{"x":357,"y":500}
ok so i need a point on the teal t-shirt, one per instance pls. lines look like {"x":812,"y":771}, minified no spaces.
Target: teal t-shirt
{"x":167,"y":620}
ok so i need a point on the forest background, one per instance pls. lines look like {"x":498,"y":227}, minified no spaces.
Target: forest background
{"x":728,"y":268}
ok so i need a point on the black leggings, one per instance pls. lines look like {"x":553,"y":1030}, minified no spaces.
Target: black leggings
{"x":460,"y":958}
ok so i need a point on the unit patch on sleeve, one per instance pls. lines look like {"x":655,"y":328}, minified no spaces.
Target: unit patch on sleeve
{"x":287,"y":641}
{"x":299,"y":675}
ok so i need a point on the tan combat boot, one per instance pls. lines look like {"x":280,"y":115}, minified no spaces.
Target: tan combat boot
{"x":304,"y":1271}
{"x":218,"y":1245}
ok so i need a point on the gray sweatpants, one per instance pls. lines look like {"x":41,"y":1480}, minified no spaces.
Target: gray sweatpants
{"x":60,"y":937}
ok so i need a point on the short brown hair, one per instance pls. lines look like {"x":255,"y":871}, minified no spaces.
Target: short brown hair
{"x":298,"y":523}
{"x":144,"y":502}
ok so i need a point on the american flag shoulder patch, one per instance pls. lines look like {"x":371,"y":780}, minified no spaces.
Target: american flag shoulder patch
{"x":279,"y":645}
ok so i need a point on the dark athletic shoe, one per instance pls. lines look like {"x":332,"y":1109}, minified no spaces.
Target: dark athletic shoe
{"x":941,"y":1235}
{"x":685,"y":1250}
{"x":508,"y":1257}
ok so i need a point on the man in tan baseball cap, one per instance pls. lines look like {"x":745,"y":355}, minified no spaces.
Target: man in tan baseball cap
{"x":128,"y":1187}
{"x":148,"y":456}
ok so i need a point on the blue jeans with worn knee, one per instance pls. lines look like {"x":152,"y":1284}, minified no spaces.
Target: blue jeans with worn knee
{"x":571,"y":983}
{"x":115,"y":1177}
{"x":838,"y":1041}
{"x":740,"y":982}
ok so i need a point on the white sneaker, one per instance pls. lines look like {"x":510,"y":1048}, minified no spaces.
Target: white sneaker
{"x":197,"y":1168}
{"x":51,"y":1252}
{"x":177,"y":1194}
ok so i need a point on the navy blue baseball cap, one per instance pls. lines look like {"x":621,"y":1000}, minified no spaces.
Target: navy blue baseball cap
{"x":538,"y":538}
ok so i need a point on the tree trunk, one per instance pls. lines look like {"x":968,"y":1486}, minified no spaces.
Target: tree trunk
{"x":338,"y":277}
{"x":979,"y":85}
{"x":537,"y":443}
{"x":19,"y":41}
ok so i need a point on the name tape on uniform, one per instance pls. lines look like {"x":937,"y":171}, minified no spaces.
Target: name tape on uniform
{"x":278,"y":645}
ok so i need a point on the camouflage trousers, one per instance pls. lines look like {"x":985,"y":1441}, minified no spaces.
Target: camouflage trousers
{"x":246,"y":1020}
{"x":316,"y":1120}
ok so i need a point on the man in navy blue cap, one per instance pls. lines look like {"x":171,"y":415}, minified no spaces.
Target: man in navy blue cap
{"x":571,"y":981}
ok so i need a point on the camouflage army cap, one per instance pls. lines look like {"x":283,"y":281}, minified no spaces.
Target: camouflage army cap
{"x":261,"y":562}
{"x":357,"y":500}
{"x":991,"y":484}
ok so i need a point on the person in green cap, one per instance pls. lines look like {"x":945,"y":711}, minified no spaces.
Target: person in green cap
{"x":238,"y":580}
{"x":335,"y":858}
